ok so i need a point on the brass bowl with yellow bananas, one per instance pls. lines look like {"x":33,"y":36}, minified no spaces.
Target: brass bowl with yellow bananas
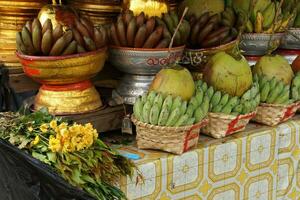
{"x":60,"y":70}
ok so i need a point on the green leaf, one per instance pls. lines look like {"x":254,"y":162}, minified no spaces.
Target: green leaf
{"x":76,"y":177}
{"x":51,"y":157}
{"x":40,"y":157}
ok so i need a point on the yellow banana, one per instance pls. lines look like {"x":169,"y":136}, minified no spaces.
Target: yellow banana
{"x":284,"y":24}
{"x":259,"y":23}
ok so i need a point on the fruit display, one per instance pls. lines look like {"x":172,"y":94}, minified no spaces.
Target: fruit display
{"x":148,"y":32}
{"x":230,"y":74}
{"x":210,"y":31}
{"x":221,"y":102}
{"x":158,"y":109}
{"x":262,"y":18}
{"x":274,"y":66}
{"x":176,"y":81}
{"x":46,"y":40}
{"x":212,"y":6}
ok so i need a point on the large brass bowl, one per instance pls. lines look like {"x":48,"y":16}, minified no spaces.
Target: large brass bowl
{"x":196,"y":59}
{"x":60,"y":70}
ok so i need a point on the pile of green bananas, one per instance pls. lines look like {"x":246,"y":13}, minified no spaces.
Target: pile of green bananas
{"x":158,"y":109}
{"x":295,"y":90}
{"x":142,"y":32}
{"x":210,"y":31}
{"x":46,"y":40}
{"x":273,"y":91}
{"x":262,"y":19}
{"x":223,"y":103}
{"x":292,"y":7}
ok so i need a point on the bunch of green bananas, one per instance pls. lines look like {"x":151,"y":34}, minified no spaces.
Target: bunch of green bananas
{"x":157,"y":109}
{"x":273,"y":91}
{"x":210,"y":31}
{"x":143,"y":32}
{"x":262,"y":19}
{"x":292,"y":7}
{"x":295,"y":90}
{"x":223,"y":103}
{"x":46,"y":40}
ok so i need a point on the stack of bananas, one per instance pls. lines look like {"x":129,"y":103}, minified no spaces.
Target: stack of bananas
{"x":158,"y":109}
{"x":210,"y":31}
{"x":273,"y":91}
{"x":46,"y":40}
{"x":262,"y":19}
{"x":224,"y":103}
{"x":143,"y":32}
{"x":292,"y":7}
{"x":99,"y":11}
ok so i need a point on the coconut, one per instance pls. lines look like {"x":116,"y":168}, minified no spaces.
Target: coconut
{"x":176,"y":81}
{"x":228,"y":74}
{"x":274,"y":66}
{"x":198,"y":7}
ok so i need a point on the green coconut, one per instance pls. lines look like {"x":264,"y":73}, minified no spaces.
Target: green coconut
{"x":274,"y":66}
{"x":228,"y":74}
{"x":198,"y":7}
{"x":176,"y":81}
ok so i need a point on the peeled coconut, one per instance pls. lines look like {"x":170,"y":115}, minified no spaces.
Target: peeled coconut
{"x":176,"y":81}
{"x":227,"y":74}
{"x":274,"y":66}
{"x":198,"y":7}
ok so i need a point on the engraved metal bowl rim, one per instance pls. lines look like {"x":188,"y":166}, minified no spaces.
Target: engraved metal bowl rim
{"x":147,"y":50}
{"x":261,"y":36}
{"x":58,"y":58}
{"x":212,"y":48}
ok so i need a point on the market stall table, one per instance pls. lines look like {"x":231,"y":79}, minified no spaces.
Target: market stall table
{"x":260,"y":163}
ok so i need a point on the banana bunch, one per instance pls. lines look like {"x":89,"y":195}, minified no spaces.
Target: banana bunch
{"x":223,"y":103}
{"x":142,"y":32}
{"x":274,"y":91}
{"x":262,"y":19}
{"x":156,"y":109}
{"x":46,"y":40}
{"x":295,"y":90}
{"x":210,"y":31}
{"x":292,"y":7}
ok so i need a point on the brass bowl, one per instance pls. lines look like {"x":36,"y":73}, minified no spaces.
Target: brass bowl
{"x":60,"y":70}
{"x":196,"y":59}
{"x":68,"y":99}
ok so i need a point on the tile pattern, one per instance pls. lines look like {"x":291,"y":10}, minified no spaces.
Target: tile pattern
{"x":261,"y":163}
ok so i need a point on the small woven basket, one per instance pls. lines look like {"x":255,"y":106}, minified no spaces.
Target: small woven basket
{"x":175,"y":140}
{"x":221,"y":125}
{"x":272,"y":114}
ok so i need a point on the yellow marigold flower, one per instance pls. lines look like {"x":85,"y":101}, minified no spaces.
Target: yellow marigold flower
{"x":63,"y":126}
{"x":30,"y":129}
{"x":54,"y":144}
{"x":44,"y":128}
{"x":36,"y":140}
{"x":68,"y":147}
{"x":53,"y":124}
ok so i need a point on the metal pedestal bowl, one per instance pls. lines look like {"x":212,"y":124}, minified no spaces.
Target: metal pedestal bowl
{"x":257,"y":44}
{"x":196,"y":59}
{"x":60,"y":70}
{"x":290,"y":40}
{"x":140,"y":66}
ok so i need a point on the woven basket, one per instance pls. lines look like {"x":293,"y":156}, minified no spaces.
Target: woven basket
{"x":175,"y":140}
{"x":221,"y":125}
{"x":272,"y":114}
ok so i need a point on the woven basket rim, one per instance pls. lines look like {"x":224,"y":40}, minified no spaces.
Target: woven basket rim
{"x":202,"y":123}
{"x":279,"y":105}
{"x":229,"y":117}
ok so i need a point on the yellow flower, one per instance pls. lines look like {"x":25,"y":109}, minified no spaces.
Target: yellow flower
{"x":53,"y":124}
{"x":30,"y":129}
{"x":44,"y":128}
{"x":63,"y":126}
{"x":54,"y":144}
{"x":36,"y":140}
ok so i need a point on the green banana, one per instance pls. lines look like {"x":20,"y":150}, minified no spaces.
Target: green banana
{"x":265,"y":92}
{"x":138,"y":109}
{"x":238,"y":108}
{"x":190,"y":109}
{"x":199,"y":114}
{"x":262,"y":81}
{"x":176,"y":103}
{"x":173,"y":118}
{"x":151,"y":97}
{"x":199,"y":96}
{"x":249,"y":27}
{"x":190,"y":121}
{"x":296,"y":81}
{"x":27,"y":40}
{"x":246,"y":107}
{"x":285,"y":95}
{"x":20,"y":44}
{"x":217,"y":109}
{"x":210,"y":92}
{"x":194,"y":101}
{"x":154,"y":114}
{"x":204,"y":87}
{"x":257,"y":99}
{"x":163,"y":116}
{"x":273,"y":83}
{"x":168,"y":102}
{"x":254,"y":90}
{"x":146,"y":112}
{"x":233,"y":101}
{"x":169,"y":22}
{"x":182,"y":120}
{"x":216,"y":98}
{"x":295,"y":93}
{"x":205,"y":104}
{"x":144,"y":98}
{"x":158,"y":100}
{"x":246,"y":96}
{"x":227,"y":109}
{"x":269,"y":15}
{"x":224,"y":100}
{"x":275,"y":92}
{"x":183,"y":107}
